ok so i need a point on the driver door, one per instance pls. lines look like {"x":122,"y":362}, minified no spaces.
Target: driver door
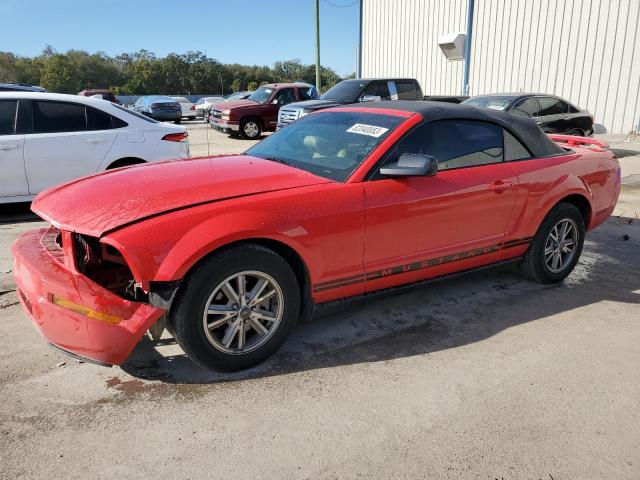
{"x":280,"y":98}
{"x":419,"y":227}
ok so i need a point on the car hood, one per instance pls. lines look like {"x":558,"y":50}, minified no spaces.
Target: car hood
{"x":231,"y":104}
{"x":101,"y":203}
{"x":315,"y":104}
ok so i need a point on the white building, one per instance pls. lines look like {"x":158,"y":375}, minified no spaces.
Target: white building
{"x":582,"y":50}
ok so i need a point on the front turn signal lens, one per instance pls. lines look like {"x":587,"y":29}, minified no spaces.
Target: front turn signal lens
{"x":82,"y":310}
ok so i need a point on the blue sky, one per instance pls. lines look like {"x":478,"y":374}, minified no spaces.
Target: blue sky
{"x":243,"y":31}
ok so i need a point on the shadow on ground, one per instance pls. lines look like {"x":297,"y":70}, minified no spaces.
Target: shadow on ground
{"x":17,"y":213}
{"x":431,"y":318}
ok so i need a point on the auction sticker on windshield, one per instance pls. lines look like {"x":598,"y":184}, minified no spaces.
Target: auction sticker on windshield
{"x":371,"y":130}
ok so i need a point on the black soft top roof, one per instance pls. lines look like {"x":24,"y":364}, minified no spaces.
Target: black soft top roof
{"x":525,"y":129}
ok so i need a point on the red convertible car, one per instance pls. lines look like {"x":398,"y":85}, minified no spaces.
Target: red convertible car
{"x":229,"y":252}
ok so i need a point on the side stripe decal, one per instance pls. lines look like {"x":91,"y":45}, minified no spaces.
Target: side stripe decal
{"x":410,"y":267}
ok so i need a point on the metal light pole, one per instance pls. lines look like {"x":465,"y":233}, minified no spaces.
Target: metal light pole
{"x":318,"y":46}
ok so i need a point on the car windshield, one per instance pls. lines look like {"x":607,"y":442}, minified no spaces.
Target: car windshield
{"x":181,"y":99}
{"x":200,"y":101}
{"x":328,"y":144}
{"x":235,"y":96}
{"x":493,"y":102}
{"x":345,"y":92}
{"x":261,"y":95}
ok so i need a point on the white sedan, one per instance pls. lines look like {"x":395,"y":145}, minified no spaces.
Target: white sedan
{"x":188,"y":107}
{"x":48,"y":138}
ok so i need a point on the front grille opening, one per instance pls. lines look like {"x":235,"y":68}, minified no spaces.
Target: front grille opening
{"x":106,"y":266}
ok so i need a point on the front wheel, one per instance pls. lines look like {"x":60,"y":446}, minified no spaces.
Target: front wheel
{"x":557,"y":246}
{"x":237,"y":308}
{"x":250,"y":129}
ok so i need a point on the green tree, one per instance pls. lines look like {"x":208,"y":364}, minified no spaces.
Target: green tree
{"x":143,"y":73}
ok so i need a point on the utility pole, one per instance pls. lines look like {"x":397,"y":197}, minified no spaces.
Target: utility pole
{"x":318,"y":46}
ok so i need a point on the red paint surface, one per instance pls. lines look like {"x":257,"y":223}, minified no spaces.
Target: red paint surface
{"x":353,"y":237}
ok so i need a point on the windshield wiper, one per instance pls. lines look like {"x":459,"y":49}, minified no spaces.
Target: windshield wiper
{"x":274,"y":159}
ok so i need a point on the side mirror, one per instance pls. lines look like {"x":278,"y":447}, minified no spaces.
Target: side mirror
{"x":370,"y":98}
{"x":411,"y":165}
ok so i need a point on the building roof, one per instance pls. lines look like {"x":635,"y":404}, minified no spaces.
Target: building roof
{"x":524,"y":129}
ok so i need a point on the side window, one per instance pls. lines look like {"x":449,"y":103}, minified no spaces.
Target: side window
{"x":464,"y":143}
{"x":393,"y":92}
{"x":51,"y":117}
{"x":412,"y":142}
{"x":572,"y":109}
{"x":307,"y":93}
{"x":513,"y":149}
{"x":526,"y":108}
{"x":549,"y":106}
{"x":568,"y":108}
{"x":377,"y":89}
{"x":407,"y":90}
{"x":99,"y":120}
{"x":8,"y":116}
{"x":285,"y":96}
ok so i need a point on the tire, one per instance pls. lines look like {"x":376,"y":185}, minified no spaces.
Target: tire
{"x":178,"y":122}
{"x":250,"y":129}
{"x":539,"y":265}
{"x":576,"y":132}
{"x":192,"y":118}
{"x":206,"y":290}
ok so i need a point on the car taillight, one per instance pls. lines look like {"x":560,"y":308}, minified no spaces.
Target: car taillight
{"x":192,"y":107}
{"x":176,"y":137}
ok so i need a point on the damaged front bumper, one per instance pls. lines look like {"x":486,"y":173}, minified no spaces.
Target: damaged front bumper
{"x":72,"y":312}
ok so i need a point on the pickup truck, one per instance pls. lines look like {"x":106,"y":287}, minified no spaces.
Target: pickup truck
{"x":361,"y":90}
{"x":259,"y":112}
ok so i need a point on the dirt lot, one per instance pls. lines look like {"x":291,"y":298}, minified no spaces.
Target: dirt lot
{"x":490,"y":376}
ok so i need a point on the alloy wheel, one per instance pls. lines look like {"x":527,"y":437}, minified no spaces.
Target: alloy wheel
{"x":561,"y":245}
{"x":251,"y":129}
{"x":243,"y":312}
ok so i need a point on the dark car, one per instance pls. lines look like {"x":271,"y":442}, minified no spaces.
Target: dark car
{"x":353,"y":91}
{"x":553,"y":114}
{"x":20,"y":87}
{"x":102,"y":93}
{"x":159,"y":107}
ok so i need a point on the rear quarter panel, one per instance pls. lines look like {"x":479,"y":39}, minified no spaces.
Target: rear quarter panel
{"x":543,"y":182}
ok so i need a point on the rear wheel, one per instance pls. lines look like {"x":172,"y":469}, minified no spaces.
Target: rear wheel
{"x":237,"y":308}
{"x":557,"y":246}
{"x":178,"y":121}
{"x":250,"y":129}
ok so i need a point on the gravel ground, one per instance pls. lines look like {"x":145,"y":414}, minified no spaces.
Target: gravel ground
{"x":489,"y":376}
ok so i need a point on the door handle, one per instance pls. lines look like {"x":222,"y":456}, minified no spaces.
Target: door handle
{"x":96,"y":140}
{"x":500,"y":185}
{"x":10,"y":146}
